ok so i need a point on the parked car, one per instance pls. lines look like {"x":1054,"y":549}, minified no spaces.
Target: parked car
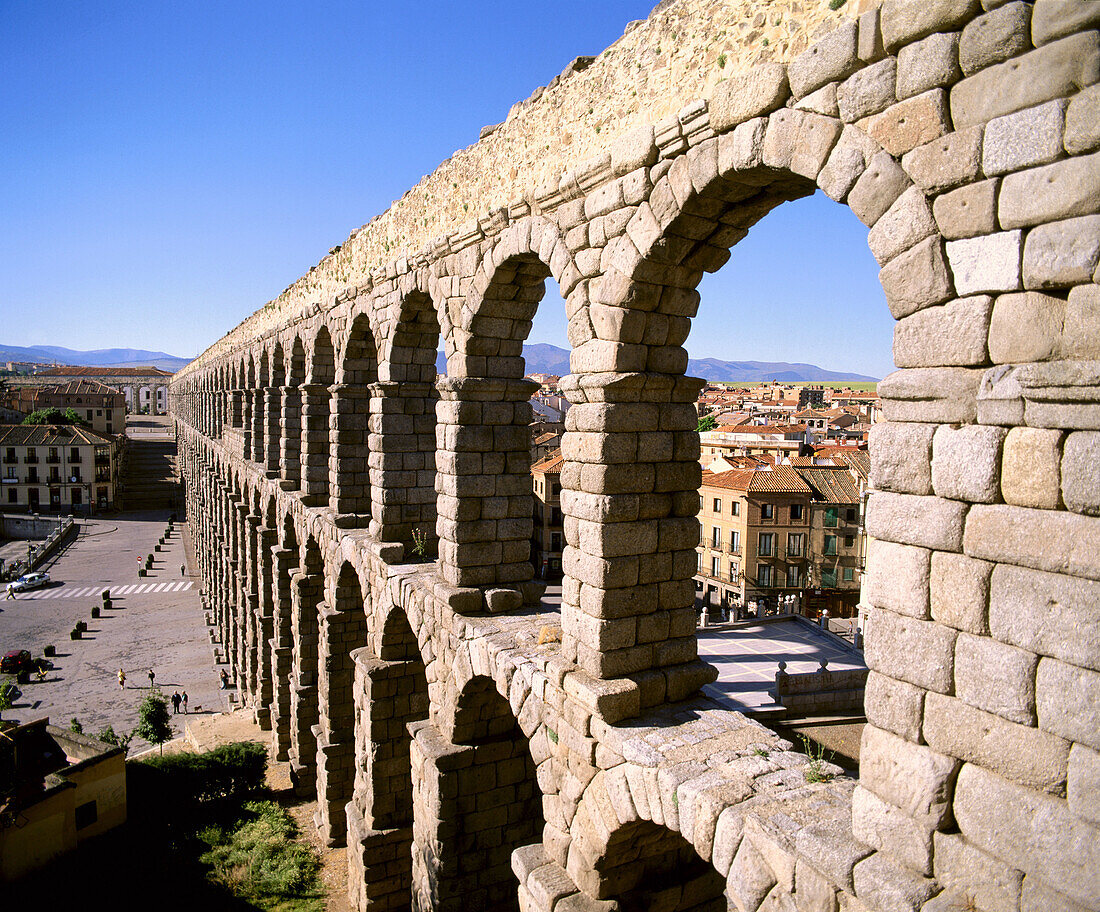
{"x":29,"y":581}
{"x":15,"y":661}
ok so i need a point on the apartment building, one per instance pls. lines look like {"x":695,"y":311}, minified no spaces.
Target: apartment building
{"x":56,"y":468}
{"x":549,"y":534}
{"x":779,"y":531}
{"x":101,"y":406}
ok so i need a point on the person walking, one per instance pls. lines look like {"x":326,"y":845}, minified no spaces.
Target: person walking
{"x":176,"y":700}
{"x":152,"y":678}
{"x":184,"y":702}
{"x":225,"y":679}
{"x":121,"y":679}
{"x":11,"y":592}
{"x":183,"y":570}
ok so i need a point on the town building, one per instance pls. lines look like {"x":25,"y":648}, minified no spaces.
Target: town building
{"x":144,"y":388}
{"x":57,"y":468}
{"x":102,"y":407}
{"x":549,"y":537}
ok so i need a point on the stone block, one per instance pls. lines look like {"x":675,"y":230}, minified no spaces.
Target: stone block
{"x":823,"y":101}
{"x":909,"y":776}
{"x":1026,"y":327}
{"x":867,"y":91}
{"x":847,"y":162}
{"x":1066,"y":698}
{"x":928,"y":64}
{"x":917,"y":278}
{"x":918,"y":652}
{"x":1030,"y":470}
{"x":1062,"y":253}
{"x":813,"y":893}
{"x":904,"y":22}
{"x":947,"y":161}
{"x":882,"y":182}
{"x":953,"y":334}
{"x":1046,"y":613}
{"x":910,"y":123}
{"x":636,"y":149}
{"x":942,"y":394}
{"x":897,"y":578}
{"x":959,"y":591}
{"x":1061,"y":190}
{"x":882,"y":826}
{"x":997,"y":678}
{"x":901,"y":456}
{"x":760,"y":90}
{"x":832,"y":849}
{"x":968,"y":211}
{"x":1055,"y":18}
{"x":966,"y":463}
{"x":989,"y":263}
{"x":1081,"y":332}
{"x":831,"y":59}
{"x":887,"y":886}
{"x":1024,"y":139}
{"x":1038,"y":896}
{"x":894,"y":705}
{"x":1054,"y":71}
{"x":995,"y":37}
{"x":1018,"y":752}
{"x":1083,"y":784}
{"x":1081,"y":472}
{"x":989,"y":882}
{"x":1051,"y":540}
{"x":907,"y":222}
{"x":1082,"y":131}
{"x":1032,"y":832}
{"x":928,"y":522}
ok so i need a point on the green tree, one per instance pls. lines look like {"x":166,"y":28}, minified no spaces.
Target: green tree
{"x":9,"y":693}
{"x":54,"y":415}
{"x":154,"y":724}
{"x":707,"y":423}
{"x":108,"y":735}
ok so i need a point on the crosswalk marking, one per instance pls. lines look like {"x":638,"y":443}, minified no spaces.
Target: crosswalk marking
{"x":85,"y":591}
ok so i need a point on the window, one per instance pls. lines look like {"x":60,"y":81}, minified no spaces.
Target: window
{"x":699,"y":563}
{"x":796,"y":544}
{"x":32,"y":454}
{"x":77,"y":498}
{"x":767,"y":511}
{"x":53,"y":455}
{"x":767,"y":544}
{"x":89,"y":414}
{"x":74,"y":454}
{"x":796,"y":512}
{"x":13,"y":495}
{"x":733,"y":571}
{"x":10,"y":455}
{"x":717,"y":504}
{"x":735,"y":542}
{"x":796,"y":577}
{"x":735,"y":508}
{"x":715,"y":566}
{"x":830,"y":545}
{"x":763,"y":575}
{"x":850,"y":515}
{"x":828,"y":578}
{"x":849,"y":574}
{"x":86,"y":815}
{"x":832,"y":516}
{"x":849,"y":541}
{"x":98,"y":413}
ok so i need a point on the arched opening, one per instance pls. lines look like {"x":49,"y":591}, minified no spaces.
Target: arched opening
{"x":403,"y":421}
{"x":484,"y":477}
{"x":273,"y":412}
{"x":489,"y":805}
{"x":259,"y":410}
{"x":391,"y":693}
{"x":291,"y":455}
{"x":350,"y":497}
{"x":307,"y":597}
{"x":316,"y":410}
{"x":343,"y":629}
{"x":285,"y":570}
{"x":646,"y":868}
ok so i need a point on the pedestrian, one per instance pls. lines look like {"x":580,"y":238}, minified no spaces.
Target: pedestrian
{"x":225,"y":679}
{"x":152,"y":678}
{"x":183,"y":570}
{"x":176,"y":700}
{"x":185,"y":702}
{"x":121,"y":679}
{"x":11,"y":592}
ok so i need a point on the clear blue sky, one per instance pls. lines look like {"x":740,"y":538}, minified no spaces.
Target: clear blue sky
{"x":165,"y":169}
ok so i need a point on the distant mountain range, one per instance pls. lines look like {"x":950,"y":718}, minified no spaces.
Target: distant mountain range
{"x":102,"y":357}
{"x":542,"y":358}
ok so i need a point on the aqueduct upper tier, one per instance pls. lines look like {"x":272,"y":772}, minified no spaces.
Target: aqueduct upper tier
{"x":468,"y":760}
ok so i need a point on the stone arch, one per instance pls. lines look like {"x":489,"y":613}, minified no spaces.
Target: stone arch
{"x":290,"y":453}
{"x":349,"y":465}
{"x":489,"y":803}
{"x":286,"y":559}
{"x":315,"y":410}
{"x":403,"y":424}
{"x":307,"y":598}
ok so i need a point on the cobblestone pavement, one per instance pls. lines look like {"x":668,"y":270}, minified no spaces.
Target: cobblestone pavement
{"x":155,"y":622}
{"x":747,"y":658}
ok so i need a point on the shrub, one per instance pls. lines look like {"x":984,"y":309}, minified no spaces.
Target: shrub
{"x":229,"y":772}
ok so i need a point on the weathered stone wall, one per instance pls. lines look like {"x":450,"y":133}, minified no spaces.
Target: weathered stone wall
{"x":964,"y":135}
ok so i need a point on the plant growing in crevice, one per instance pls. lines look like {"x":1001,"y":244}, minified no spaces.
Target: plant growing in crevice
{"x":817,"y":770}
{"x":420,"y":543}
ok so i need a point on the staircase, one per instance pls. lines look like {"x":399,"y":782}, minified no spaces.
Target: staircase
{"x":149,"y":474}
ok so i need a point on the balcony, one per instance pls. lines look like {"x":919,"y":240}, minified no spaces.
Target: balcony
{"x":102,"y":476}
{"x":30,"y":459}
{"x":101,"y":460}
{"x":53,"y":460}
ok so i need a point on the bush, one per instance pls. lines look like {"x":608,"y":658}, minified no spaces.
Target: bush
{"x":230,"y":772}
{"x":259,"y":858}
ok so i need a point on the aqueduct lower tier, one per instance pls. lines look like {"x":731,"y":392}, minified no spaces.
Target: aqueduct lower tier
{"x":466,"y":764}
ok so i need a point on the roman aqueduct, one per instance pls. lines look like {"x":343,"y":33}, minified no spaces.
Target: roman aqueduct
{"x":466,"y":764}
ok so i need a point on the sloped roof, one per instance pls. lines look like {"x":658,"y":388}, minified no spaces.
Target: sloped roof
{"x":830,"y":485}
{"x":551,"y":465}
{"x":49,"y":435}
{"x":104,"y":372}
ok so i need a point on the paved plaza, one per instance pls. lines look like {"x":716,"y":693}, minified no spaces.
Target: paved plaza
{"x":155,"y":622}
{"x":748,"y":656}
